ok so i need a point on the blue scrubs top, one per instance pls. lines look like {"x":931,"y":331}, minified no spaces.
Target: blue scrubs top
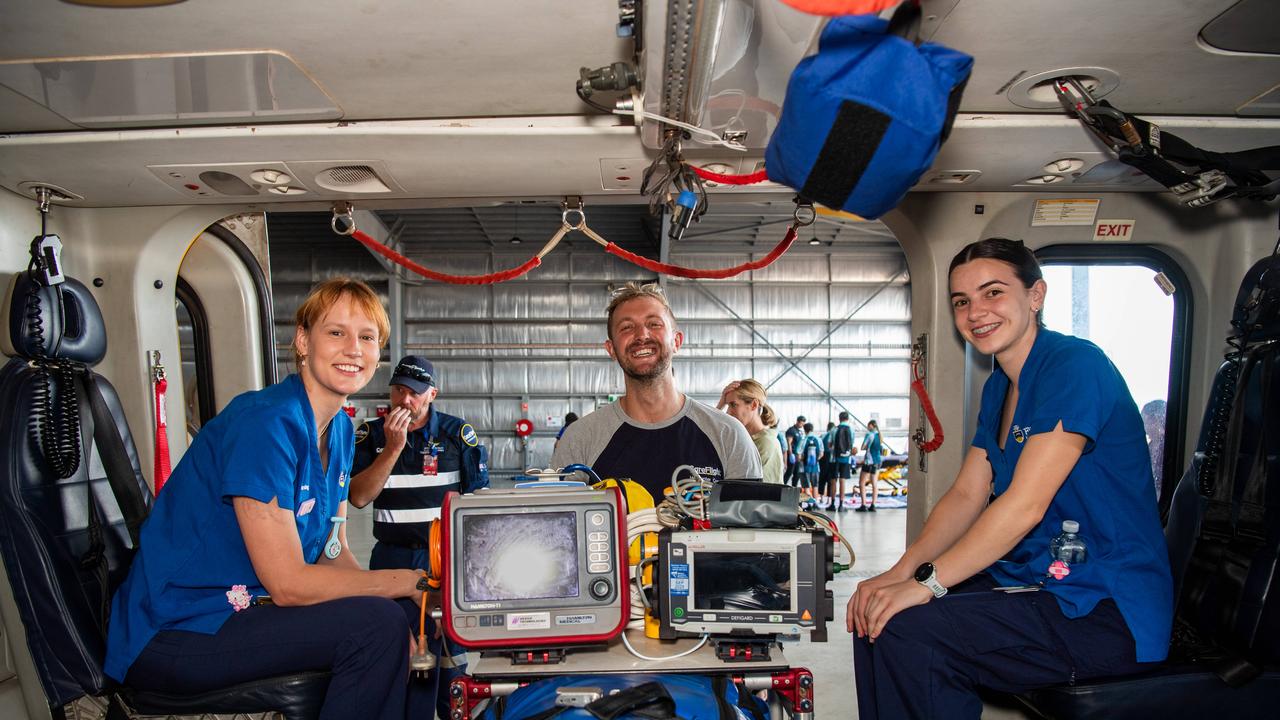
{"x":262,"y":446}
{"x":1109,"y":491}
{"x":875,"y":452}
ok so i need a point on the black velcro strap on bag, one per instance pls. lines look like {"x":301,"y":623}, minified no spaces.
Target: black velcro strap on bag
{"x":650,"y":700}
{"x":845,"y":155}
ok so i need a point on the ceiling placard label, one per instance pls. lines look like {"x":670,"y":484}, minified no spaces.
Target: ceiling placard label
{"x":1065,"y":211}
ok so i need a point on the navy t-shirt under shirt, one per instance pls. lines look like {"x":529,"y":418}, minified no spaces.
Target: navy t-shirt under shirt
{"x":617,"y":446}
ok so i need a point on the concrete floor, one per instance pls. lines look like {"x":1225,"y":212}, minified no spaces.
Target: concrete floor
{"x":878,"y":540}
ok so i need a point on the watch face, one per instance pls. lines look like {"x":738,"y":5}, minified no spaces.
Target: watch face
{"x":924,"y":572}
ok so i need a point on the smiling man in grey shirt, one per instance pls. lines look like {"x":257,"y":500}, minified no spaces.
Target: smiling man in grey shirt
{"x":654,"y":428}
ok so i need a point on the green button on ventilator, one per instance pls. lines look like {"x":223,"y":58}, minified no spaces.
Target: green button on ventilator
{"x":678,"y":612}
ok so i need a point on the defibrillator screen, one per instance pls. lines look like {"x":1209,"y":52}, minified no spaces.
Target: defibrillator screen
{"x":520,"y":556}
{"x":759,"y":581}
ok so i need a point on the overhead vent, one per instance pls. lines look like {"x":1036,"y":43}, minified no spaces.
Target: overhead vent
{"x":230,"y":180}
{"x":352,"y":179}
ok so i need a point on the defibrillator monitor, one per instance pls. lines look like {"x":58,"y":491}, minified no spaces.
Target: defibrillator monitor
{"x":744,"y":582}
{"x":534,"y":567}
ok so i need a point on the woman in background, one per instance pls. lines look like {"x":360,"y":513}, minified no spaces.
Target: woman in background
{"x":871,"y":458}
{"x":745,"y":401}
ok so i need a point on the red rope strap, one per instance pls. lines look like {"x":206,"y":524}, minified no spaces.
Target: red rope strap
{"x":403,"y":261}
{"x":917,"y":384}
{"x":684,"y":272}
{"x":751,"y":179}
{"x":160,"y":469}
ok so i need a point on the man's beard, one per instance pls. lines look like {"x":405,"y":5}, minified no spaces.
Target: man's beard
{"x":660,"y":367}
{"x":415,"y":415}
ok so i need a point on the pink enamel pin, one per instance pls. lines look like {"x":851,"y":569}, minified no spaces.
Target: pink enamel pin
{"x":238,"y":596}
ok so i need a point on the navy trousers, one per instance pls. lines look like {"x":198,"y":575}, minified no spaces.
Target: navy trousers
{"x":451,"y":659}
{"x":363,"y":641}
{"x":930,"y":659}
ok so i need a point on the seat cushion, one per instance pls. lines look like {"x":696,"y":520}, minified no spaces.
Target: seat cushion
{"x":296,"y":697}
{"x":1171,"y":692}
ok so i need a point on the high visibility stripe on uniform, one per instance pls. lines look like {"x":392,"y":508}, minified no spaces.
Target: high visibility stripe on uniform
{"x":407,"y":516}
{"x":453,"y":477}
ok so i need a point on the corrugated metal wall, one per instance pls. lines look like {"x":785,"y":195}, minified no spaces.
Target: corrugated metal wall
{"x":840,"y":310}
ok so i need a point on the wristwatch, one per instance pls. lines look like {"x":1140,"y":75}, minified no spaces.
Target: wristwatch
{"x":927,"y":575}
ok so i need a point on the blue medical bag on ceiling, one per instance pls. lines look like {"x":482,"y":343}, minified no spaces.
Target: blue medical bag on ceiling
{"x":864,"y":117}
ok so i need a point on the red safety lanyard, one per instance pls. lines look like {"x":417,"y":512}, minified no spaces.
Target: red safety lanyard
{"x":161,"y":469}
{"x":917,"y":384}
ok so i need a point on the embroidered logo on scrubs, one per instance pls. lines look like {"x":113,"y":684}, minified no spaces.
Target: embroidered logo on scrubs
{"x":306,"y":506}
{"x":1021,"y":433}
{"x":342,"y":479}
{"x":238,"y":596}
{"x":362,"y":432}
{"x":469,"y":436}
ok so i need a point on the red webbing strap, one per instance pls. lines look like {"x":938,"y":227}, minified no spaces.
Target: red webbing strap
{"x":405,"y":262}
{"x":161,"y":468}
{"x":917,"y":384}
{"x":749,"y":179}
{"x":678,"y":271}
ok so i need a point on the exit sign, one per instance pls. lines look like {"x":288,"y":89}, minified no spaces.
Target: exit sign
{"x":1113,"y":231}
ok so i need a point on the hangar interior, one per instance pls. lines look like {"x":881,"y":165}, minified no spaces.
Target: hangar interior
{"x":825,"y":328}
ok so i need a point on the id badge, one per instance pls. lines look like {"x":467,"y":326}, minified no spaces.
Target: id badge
{"x":429,"y":464}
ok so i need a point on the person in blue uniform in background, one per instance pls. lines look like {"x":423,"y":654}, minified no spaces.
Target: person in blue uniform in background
{"x":871,"y":459}
{"x":978,"y":599}
{"x":256,"y":508}
{"x":405,"y":463}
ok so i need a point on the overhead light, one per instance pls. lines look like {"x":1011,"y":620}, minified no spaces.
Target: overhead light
{"x":814,"y":241}
{"x":515,"y":226}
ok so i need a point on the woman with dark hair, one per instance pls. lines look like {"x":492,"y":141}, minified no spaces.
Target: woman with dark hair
{"x":980,"y":598}
{"x":243,"y":571}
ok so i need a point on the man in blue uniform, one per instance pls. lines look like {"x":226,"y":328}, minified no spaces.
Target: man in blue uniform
{"x":405,"y":463}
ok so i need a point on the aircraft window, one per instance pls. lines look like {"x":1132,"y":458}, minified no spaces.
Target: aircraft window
{"x":197,"y":366}
{"x":1118,"y":303}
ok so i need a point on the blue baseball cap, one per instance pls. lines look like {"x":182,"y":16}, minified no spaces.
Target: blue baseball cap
{"x":414,"y":372}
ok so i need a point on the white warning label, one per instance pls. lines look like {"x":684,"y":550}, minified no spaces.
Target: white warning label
{"x":529,"y":621}
{"x":575,"y":620}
